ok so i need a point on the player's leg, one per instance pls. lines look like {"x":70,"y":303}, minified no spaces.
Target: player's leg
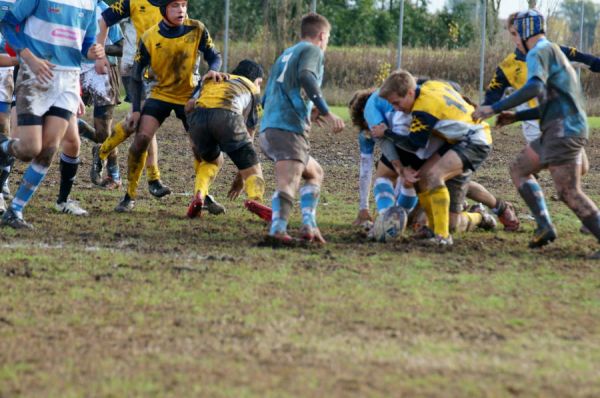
{"x":155,"y":184}
{"x":69,"y":163}
{"x":503,"y":209}
{"x":383,"y":187}
{"x":287,"y":177}
{"x":309,"y":200}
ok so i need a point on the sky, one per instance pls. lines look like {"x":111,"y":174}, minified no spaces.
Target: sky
{"x":507,"y":6}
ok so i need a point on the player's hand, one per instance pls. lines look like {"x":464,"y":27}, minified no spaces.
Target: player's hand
{"x":216,"y":76}
{"x":96,"y":51}
{"x":189,"y":106}
{"x":483,"y":112}
{"x":237,"y":186}
{"x":133,"y":121}
{"x":80,"y":108}
{"x":410,"y":175}
{"x":335,"y":122}
{"x":362,"y":217}
{"x":40,"y":67}
{"x":102,"y":66}
{"x":378,"y":131}
{"x":505,"y":118}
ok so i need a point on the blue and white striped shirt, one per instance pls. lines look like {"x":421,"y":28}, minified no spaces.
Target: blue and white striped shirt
{"x":59,"y":31}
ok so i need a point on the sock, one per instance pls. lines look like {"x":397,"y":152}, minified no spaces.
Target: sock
{"x":68,"y":171}
{"x":593,"y":224}
{"x":532,"y":194}
{"x":119,"y":134}
{"x":364,"y":179}
{"x":407,"y":199}
{"x":33,"y":177}
{"x":309,"y":200}
{"x":281,"y":204}
{"x":425,"y":201}
{"x":135,"y":166}
{"x":112,"y":167}
{"x":383,"y":190}
{"x":474,"y":219}
{"x":440,"y":209}
{"x":152,"y":173}
{"x":500,"y":207}
{"x":205,"y":175}
{"x":5,"y":172}
{"x":255,"y":187}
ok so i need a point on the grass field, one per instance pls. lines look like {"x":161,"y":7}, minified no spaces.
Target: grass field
{"x":153,"y":304}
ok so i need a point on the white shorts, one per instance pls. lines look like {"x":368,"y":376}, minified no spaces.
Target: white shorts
{"x":34,"y":99}
{"x":99,"y":90}
{"x":7,"y":84}
{"x":531,"y":128}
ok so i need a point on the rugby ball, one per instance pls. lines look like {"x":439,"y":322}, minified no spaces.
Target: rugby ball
{"x":390,"y":224}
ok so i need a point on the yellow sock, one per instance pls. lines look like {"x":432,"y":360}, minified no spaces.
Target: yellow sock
{"x":425,"y":202}
{"x":152,"y":172}
{"x":205,"y":174}
{"x":474,"y":220}
{"x":118,"y":135}
{"x":135,"y":166}
{"x":255,"y":187}
{"x":440,"y":208}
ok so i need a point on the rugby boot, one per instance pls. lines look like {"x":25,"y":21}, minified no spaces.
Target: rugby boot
{"x":196,"y":206}
{"x":70,"y":207}
{"x":213,"y":206}
{"x":542,"y":236}
{"x":259,"y":209}
{"x":488,"y":222}
{"x":111,"y":184}
{"x":11,"y":219}
{"x":125,"y":205}
{"x":312,"y":235}
{"x":438,"y":240}
{"x":281,"y":239}
{"x":508,"y":216}
{"x":97,"y":166}
{"x":158,"y":189}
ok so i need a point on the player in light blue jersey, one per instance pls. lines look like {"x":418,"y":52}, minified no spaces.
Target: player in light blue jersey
{"x":286,"y":122}
{"x":51,"y":37}
{"x":563,"y":122}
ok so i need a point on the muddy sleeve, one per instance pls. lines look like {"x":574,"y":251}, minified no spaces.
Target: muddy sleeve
{"x":587,"y":59}
{"x":115,"y":49}
{"x":20,"y":12}
{"x":529,"y":114}
{"x":530,"y":90}
{"x":208,"y":49}
{"x":310,"y":84}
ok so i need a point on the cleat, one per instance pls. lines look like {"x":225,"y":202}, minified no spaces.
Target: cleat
{"x":312,"y":235}
{"x":158,"y":189}
{"x":195,"y":208}
{"x":2,"y":204}
{"x":70,"y":207}
{"x":438,"y":240}
{"x":11,"y":219}
{"x":542,"y":236}
{"x":213,"y":207}
{"x":259,"y":209}
{"x":508,"y":217}
{"x":488,"y":222}
{"x":97,"y":166}
{"x":125,"y":205}
{"x":6,"y":191}
{"x":110,"y":184}
{"x":281,"y":239}
{"x":424,"y":232}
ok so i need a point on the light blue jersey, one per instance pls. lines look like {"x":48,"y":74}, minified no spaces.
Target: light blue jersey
{"x":114,"y":33}
{"x":5,"y":5}
{"x":378,"y":110}
{"x":60,"y":31}
{"x":284,"y":106}
{"x":562,"y":99}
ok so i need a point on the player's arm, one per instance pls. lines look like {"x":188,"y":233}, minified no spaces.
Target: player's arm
{"x":89,"y":48}
{"x":592,"y":62}
{"x":115,"y":36}
{"x":421,"y":128}
{"x":7,"y":60}
{"x":115,"y":49}
{"x":115,"y":13}
{"x":142,"y":60}
{"x":495,"y":90}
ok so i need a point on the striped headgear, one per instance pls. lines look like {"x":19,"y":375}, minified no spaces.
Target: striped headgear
{"x":529,"y":23}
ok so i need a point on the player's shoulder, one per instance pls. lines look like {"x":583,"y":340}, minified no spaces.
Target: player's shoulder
{"x":243,"y":82}
{"x":194,"y":23}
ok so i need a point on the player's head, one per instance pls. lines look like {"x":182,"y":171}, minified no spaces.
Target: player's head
{"x":528,"y":24}
{"x":250,"y":70}
{"x":357,"y":107}
{"x":315,"y":28}
{"x":173,"y":11}
{"x":399,"y":89}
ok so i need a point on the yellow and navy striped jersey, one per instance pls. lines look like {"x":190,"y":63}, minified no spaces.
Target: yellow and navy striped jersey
{"x":440,"y":110}
{"x":238,"y":94}
{"x":172,"y":55}
{"x":143,"y":15}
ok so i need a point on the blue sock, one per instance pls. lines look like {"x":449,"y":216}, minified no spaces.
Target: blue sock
{"x":533,"y":195}
{"x":309,"y":200}
{"x":383,"y":190}
{"x":33,"y":177}
{"x":4,"y":146}
{"x":113,"y":170}
{"x":407,"y":199}
{"x":281,"y":203}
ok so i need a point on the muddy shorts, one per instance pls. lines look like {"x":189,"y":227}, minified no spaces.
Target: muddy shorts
{"x":58,"y":97}
{"x":7,"y":86}
{"x":216,"y":130}
{"x":280,"y":145}
{"x":554,"y":148}
{"x":408,"y":159}
{"x":161,"y":110}
{"x":472,"y":155}
{"x":100,"y":90}
{"x":457,"y":187}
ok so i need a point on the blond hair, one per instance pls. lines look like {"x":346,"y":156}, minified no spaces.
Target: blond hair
{"x":399,"y":82}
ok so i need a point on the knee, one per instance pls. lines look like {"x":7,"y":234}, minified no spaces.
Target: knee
{"x":319,"y":174}
{"x":141,"y":143}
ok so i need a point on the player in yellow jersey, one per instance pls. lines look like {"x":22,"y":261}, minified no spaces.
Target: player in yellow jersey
{"x":224,"y":120}
{"x":171,"y":50}
{"x":143,"y":16}
{"x":438,"y":110}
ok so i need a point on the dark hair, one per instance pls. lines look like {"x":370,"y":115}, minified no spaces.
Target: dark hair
{"x":249,"y":69}
{"x":312,"y":24}
{"x":357,"y":107}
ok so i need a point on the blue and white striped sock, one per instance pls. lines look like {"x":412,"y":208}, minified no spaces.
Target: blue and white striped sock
{"x":113,"y":171}
{"x":33,"y":177}
{"x":309,"y":200}
{"x":281,"y":209}
{"x":383,"y":190}
{"x":407,"y":199}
